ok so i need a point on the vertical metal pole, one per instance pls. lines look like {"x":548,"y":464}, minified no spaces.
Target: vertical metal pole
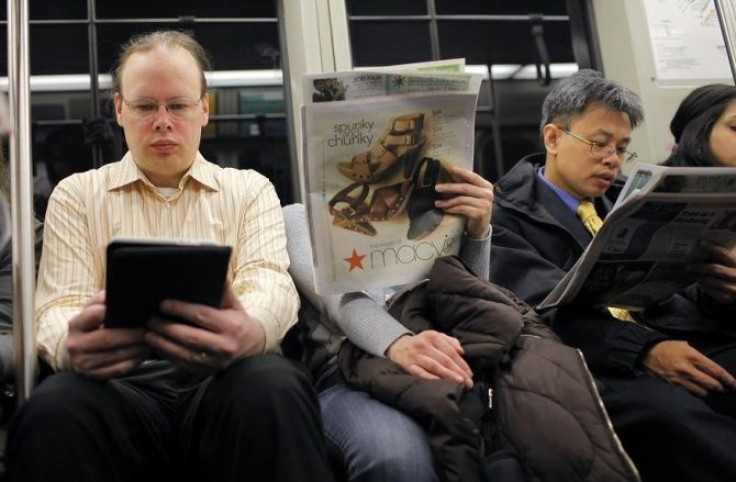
{"x":727,"y":18}
{"x":291,"y":124}
{"x":21,"y":189}
{"x":94,"y":87}
{"x":434,"y":31}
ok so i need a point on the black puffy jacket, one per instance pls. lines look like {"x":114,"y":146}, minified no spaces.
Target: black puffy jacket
{"x":544,"y":407}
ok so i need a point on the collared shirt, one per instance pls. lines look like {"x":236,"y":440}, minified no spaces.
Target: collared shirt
{"x":566,"y":198}
{"x":228,"y":206}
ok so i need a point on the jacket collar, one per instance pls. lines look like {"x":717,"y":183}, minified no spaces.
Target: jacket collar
{"x":522,"y":191}
{"x":518,"y":187}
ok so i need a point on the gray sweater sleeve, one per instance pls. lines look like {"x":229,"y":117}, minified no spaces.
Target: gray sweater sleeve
{"x":476,"y":253}
{"x":360,"y":315}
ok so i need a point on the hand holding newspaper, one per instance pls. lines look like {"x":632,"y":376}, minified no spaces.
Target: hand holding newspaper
{"x":639,"y":255}
{"x":376,"y":142}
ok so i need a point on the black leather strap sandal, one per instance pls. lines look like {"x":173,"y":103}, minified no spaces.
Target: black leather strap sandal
{"x":424,"y":217}
{"x":348,"y":210}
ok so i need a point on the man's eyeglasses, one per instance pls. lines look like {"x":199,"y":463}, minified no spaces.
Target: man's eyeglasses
{"x":181,"y":108}
{"x":603,"y":151}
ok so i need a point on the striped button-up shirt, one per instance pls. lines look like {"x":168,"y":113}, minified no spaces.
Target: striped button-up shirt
{"x":228,"y":206}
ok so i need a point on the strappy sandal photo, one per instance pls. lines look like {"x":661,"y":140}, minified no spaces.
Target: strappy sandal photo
{"x":400,"y":146}
{"x":361,"y":227}
{"x":353,"y":213}
{"x":388,"y":202}
{"x":424,"y":217}
{"x":415,"y":196}
{"x":348,"y":210}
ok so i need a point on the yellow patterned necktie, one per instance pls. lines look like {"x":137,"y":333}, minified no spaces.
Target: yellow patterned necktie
{"x":589,"y":217}
{"x":592,"y":222}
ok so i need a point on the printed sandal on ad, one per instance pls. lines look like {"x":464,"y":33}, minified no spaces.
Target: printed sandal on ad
{"x":389,"y":201}
{"x":401,"y":145}
{"x":424,"y":217}
{"x":351,"y":212}
{"x":348,"y":211}
{"x":361,"y":227}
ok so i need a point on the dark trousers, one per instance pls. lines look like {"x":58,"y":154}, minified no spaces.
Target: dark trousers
{"x":259,"y":420}
{"x":671,"y":435}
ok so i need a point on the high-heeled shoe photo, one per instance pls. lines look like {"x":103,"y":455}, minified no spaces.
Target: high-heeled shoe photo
{"x":424,"y":217}
{"x":415,"y":195}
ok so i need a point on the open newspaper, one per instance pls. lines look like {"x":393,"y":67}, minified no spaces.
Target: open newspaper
{"x":376,"y":142}
{"x":639,"y":255}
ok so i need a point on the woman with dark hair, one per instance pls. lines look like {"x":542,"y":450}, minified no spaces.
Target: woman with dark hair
{"x":704,"y":127}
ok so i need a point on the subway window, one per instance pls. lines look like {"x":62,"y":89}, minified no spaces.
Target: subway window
{"x":520,"y":47}
{"x":73,"y":127}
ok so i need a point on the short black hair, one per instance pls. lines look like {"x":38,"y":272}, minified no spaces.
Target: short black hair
{"x":572,"y":95}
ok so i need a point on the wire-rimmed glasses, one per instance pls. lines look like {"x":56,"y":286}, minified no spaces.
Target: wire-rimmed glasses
{"x":603,"y":151}
{"x":180,"y":108}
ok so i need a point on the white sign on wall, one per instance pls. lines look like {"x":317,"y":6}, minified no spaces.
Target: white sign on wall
{"x":686,"y":39}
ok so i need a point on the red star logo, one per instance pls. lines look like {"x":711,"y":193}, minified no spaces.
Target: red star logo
{"x":355,"y":261}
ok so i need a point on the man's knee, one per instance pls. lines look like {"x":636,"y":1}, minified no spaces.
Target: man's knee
{"x":62,"y":396}
{"x":655,"y":403}
{"x":261,"y":381}
{"x":61,"y":408}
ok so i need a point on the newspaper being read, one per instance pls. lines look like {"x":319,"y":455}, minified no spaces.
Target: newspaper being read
{"x":640,"y":253}
{"x":376,"y":142}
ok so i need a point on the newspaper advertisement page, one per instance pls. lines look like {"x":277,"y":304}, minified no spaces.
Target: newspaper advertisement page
{"x":371,"y":166}
{"x":639,"y":256}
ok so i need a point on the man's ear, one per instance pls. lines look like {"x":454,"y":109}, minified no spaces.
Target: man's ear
{"x":551,"y":136}
{"x":118,"y":102}
{"x":205,"y":109}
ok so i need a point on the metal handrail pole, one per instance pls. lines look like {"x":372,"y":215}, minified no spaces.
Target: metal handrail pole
{"x":726,"y":11}
{"x":94,"y":71}
{"x":21,"y":189}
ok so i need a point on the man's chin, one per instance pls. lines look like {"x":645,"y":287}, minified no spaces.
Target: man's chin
{"x":599,"y":187}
